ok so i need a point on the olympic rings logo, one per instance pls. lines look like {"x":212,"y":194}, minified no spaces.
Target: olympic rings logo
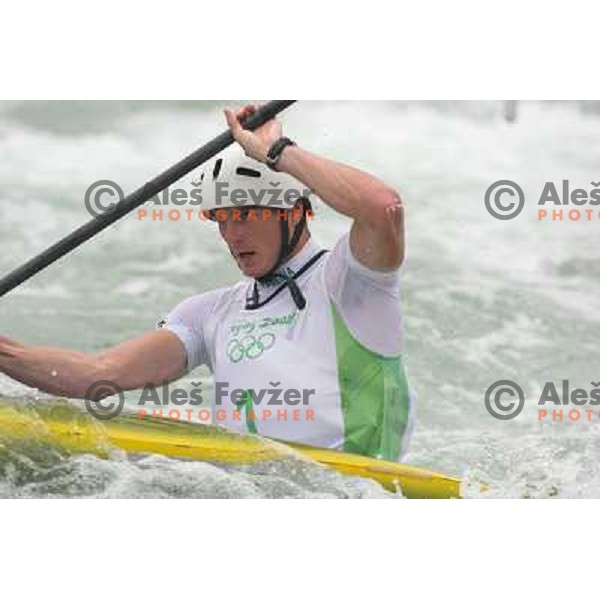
{"x":249,"y":347}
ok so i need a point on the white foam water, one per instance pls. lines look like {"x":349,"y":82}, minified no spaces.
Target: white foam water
{"x":484,"y":300}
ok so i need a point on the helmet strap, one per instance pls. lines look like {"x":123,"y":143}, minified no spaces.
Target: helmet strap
{"x":287,"y":245}
{"x":286,"y":248}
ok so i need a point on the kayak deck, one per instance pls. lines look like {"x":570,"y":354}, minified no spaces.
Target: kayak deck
{"x":62,"y":425}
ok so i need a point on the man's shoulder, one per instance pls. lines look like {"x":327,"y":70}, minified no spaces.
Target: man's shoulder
{"x":342,"y":255}
{"x":217,"y":296}
{"x":203,"y":304}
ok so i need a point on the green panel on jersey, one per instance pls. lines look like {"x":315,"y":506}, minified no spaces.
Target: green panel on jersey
{"x":375,"y":397}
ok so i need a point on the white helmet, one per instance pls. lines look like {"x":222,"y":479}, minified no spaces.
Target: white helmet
{"x":234,"y":180}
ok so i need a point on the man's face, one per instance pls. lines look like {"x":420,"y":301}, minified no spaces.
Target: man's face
{"x":253,"y":236}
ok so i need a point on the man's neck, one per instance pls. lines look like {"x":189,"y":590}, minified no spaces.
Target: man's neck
{"x":302,"y":253}
{"x":302,"y":242}
{"x":305,"y":250}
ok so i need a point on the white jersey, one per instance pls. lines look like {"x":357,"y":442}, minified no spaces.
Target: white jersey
{"x":330,"y":375}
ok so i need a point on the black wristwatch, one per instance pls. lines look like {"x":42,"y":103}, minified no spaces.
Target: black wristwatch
{"x":274,"y":153}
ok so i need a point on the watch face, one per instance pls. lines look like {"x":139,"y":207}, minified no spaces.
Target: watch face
{"x":271,"y":162}
{"x":275,"y":151}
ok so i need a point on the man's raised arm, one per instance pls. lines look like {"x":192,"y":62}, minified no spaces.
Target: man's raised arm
{"x":377,"y":233}
{"x":153,"y":357}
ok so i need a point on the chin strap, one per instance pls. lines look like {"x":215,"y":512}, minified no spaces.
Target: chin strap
{"x":274,"y":277}
{"x":287,"y":244}
{"x":286,"y":279}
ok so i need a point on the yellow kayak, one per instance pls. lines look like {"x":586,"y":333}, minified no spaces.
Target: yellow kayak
{"x":60,"y":424}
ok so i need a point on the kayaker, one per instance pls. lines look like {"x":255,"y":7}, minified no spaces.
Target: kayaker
{"x":304,"y":319}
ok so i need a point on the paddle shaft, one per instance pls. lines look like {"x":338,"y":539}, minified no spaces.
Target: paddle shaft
{"x":137,"y":198}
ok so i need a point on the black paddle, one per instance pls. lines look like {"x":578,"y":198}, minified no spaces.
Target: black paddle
{"x":137,"y":198}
